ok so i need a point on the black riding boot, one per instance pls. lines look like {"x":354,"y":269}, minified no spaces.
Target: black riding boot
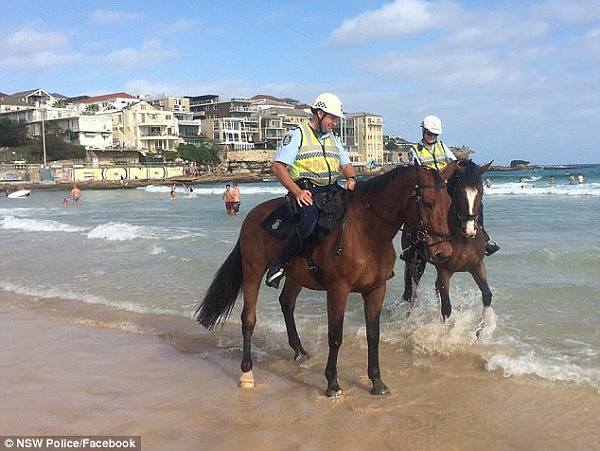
{"x":276,"y":270}
{"x":490,"y":245}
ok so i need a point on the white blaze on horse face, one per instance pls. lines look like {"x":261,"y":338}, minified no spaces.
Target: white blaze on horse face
{"x":470,"y":224}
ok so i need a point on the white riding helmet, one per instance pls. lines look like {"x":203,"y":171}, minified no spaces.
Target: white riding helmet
{"x":433,"y":124}
{"x":330,"y":103}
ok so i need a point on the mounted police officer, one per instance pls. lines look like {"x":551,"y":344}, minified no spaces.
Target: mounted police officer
{"x":309,"y":161}
{"x":435,"y":154}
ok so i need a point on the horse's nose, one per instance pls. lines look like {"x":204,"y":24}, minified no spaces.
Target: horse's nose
{"x":440,"y":257}
{"x":468,"y":234}
{"x":441,"y":253}
{"x":469,"y":229}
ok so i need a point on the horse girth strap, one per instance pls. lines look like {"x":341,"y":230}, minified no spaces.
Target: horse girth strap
{"x":339,"y":248}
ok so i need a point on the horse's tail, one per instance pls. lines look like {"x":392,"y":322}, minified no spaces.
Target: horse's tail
{"x":223,"y":291}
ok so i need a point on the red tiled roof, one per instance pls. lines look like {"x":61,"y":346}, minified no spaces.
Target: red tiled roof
{"x":267,"y":97}
{"x":120,"y":95}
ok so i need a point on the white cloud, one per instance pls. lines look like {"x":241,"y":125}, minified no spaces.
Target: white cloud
{"x":41,"y":60}
{"x":452,"y":71}
{"x":181,"y":25}
{"x":394,"y":20}
{"x":580,"y":12}
{"x":29,"y":49}
{"x":496,"y":32}
{"x":28,"y":40}
{"x":108,"y":17}
{"x":149,"y":53}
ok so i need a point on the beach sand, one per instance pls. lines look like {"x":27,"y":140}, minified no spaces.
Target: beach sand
{"x":73,"y":379}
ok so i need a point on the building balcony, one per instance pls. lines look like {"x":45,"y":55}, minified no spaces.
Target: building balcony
{"x":155,"y":137}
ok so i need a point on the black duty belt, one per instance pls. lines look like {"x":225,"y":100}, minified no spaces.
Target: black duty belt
{"x":308,"y":184}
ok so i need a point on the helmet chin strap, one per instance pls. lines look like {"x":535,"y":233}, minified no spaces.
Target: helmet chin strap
{"x":320,"y":121}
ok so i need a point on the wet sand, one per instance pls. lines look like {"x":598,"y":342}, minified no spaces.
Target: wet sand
{"x":60,"y":378}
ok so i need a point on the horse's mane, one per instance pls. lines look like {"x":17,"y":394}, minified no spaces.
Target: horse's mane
{"x":378,"y":183}
{"x":469,"y":177}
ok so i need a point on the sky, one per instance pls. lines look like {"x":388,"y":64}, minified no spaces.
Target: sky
{"x":509,"y":79}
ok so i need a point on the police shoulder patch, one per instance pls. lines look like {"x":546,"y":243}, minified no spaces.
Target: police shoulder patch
{"x":286,"y":139}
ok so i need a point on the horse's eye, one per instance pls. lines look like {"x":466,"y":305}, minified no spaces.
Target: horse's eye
{"x":428,"y":205}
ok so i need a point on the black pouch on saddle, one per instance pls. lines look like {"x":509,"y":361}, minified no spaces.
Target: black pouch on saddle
{"x":290,"y":202}
{"x":332,"y":205}
{"x":282,"y":221}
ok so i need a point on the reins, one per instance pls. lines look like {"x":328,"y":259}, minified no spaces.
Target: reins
{"x":420,"y":235}
{"x":423,"y":230}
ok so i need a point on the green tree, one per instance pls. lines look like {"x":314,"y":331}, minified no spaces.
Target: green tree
{"x":92,"y":108}
{"x":12,"y":133}
{"x":200,"y":154}
{"x":57,"y":149}
{"x":391,"y":145}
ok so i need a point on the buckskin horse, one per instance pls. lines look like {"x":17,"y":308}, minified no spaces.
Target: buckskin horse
{"x":357,"y":256}
{"x":468,"y":246}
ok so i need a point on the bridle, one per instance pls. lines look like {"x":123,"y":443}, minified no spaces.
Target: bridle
{"x":419,"y":236}
{"x":462,"y":217}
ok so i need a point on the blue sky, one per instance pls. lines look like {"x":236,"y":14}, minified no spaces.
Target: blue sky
{"x":510,"y":79}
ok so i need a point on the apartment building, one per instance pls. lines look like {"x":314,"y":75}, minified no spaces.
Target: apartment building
{"x":362,"y":135}
{"x":33,"y":98}
{"x":396,"y":150}
{"x":167,"y":103}
{"x":145,"y":128}
{"x":92,"y":132}
{"x":275,"y":122}
{"x":103,"y":103}
{"x":230,"y":123}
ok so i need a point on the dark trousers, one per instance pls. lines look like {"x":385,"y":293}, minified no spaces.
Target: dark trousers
{"x":309,"y":214}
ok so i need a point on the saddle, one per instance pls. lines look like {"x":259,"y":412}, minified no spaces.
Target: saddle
{"x":284,"y":220}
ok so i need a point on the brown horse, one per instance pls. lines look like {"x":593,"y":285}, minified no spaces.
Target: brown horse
{"x":357,"y":256}
{"x":468,"y":246}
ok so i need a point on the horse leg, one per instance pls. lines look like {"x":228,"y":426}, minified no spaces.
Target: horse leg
{"x":251,"y":286}
{"x":287,"y":300}
{"x":480,"y":276}
{"x":373,"y":300}
{"x":336,"y":306}
{"x":413,"y":271}
{"x":442,"y":286}
{"x":408,"y":283}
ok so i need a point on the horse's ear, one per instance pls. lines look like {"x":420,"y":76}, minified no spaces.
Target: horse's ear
{"x":485,"y":167}
{"x":450,"y":169}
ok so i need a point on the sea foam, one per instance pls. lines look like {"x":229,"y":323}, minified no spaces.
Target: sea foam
{"x":37,"y":225}
{"x":531,"y":365}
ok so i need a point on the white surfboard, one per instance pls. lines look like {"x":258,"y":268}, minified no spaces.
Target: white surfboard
{"x":20,"y":193}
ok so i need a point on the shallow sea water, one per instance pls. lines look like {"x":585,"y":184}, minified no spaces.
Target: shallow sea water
{"x":138,"y":261}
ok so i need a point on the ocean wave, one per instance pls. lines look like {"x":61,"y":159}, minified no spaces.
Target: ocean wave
{"x":544,"y":189}
{"x":531,"y":365}
{"x":37,"y":225}
{"x":266,"y":188}
{"x":116,"y":231}
{"x":57,"y":292}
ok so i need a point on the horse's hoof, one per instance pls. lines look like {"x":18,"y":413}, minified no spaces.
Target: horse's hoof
{"x":333,"y":393}
{"x":246,"y":380}
{"x":379,"y":388}
{"x":479,"y":330}
{"x":333,"y":390}
{"x":301,"y":354}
